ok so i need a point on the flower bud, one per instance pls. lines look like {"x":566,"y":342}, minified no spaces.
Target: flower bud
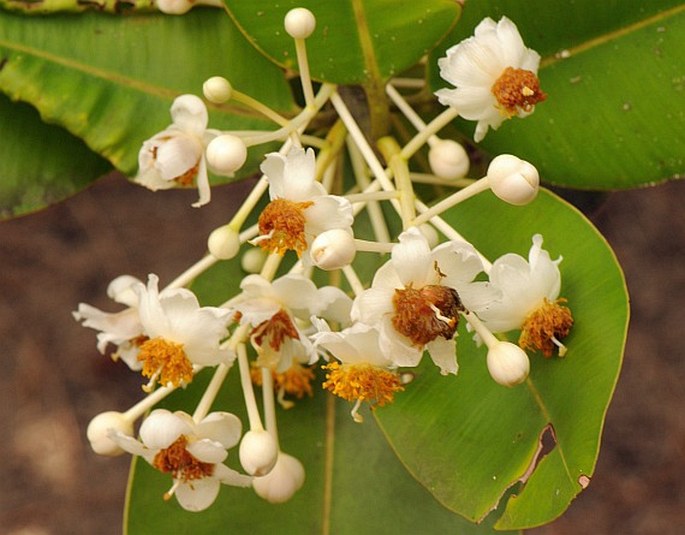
{"x":223,"y":243}
{"x":217,"y":89}
{"x":258,"y":452}
{"x":448,"y":159}
{"x":100,"y":428}
{"x":253,"y":260}
{"x":284,"y":480}
{"x":508,"y":364}
{"x":300,"y":23}
{"x":333,"y":249}
{"x":226,"y":154}
{"x":174,"y":7}
{"x":513,"y":180}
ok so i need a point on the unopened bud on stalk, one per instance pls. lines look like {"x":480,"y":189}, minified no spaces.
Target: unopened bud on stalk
{"x":258,"y":452}
{"x":223,"y":243}
{"x":300,"y":23}
{"x":508,"y":364}
{"x":513,"y":180}
{"x":174,"y":7}
{"x":284,"y":480}
{"x":333,"y":249}
{"x":217,"y":89}
{"x":226,"y":154}
{"x":253,"y":260}
{"x":100,"y":428}
{"x":448,"y":159}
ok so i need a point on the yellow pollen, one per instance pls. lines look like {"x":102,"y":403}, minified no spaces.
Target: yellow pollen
{"x":424,"y":314}
{"x":166,"y":359}
{"x":362,"y":382}
{"x":517,"y":90}
{"x":181,"y":464}
{"x":295,"y":381}
{"x":283,"y":222}
{"x":545,"y":327}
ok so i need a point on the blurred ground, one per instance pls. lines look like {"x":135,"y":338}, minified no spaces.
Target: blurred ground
{"x":53,"y":381}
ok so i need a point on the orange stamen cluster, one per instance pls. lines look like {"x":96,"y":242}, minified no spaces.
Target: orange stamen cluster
{"x":517,"y":90}
{"x":275,"y":330}
{"x":551,"y":321}
{"x":415,"y":315}
{"x":295,"y":381}
{"x":362,"y":382}
{"x":181,"y":464}
{"x":283,"y":221}
{"x":166,"y":359}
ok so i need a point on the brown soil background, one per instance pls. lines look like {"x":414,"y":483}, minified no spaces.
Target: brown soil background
{"x":53,"y":381}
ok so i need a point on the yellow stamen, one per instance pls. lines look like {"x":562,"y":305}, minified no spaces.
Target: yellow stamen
{"x":517,"y":90}
{"x":281,"y":225}
{"x":166,"y":360}
{"x":295,"y":381}
{"x":546,"y":326}
{"x":362,"y":382}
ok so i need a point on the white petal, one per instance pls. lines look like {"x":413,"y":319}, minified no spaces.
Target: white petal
{"x":161,"y":429}
{"x":189,"y":113}
{"x":223,"y":427}
{"x":297,"y":293}
{"x":411,"y":258}
{"x":273,"y":167}
{"x":299,"y":174}
{"x":198,"y":494}
{"x":202,"y":181}
{"x":444,"y":354}
{"x":227,"y":476}
{"x":328,"y":212}
{"x":207,"y":451}
{"x":396,"y":347}
{"x":334,"y":304}
{"x":371,"y":306}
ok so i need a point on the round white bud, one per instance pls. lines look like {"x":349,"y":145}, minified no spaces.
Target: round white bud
{"x":258,"y":452}
{"x":300,"y":23}
{"x":223,"y":243}
{"x":284,"y":480}
{"x":513,"y":180}
{"x":253,"y":260}
{"x":430,"y":234}
{"x":174,"y":7}
{"x":448,"y":159}
{"x":508,"y":364}
{"x":99,"y":429}
{"x":333,"y":249}
{"x":226,"y":154}
{"x":217,"y":89}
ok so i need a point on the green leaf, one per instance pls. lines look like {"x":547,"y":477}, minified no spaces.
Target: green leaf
{"x":113,"y":80}
{"x":39,"y":163}
{"x":615,"y":109}
{"x":355,"y":41}
{"x":469,"y":439}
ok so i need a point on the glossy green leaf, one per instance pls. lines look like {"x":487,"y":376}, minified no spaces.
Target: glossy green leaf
{"x":355,"y":41}
{"x":613,"y":74}
{"x":112,"y":81}
{"x":354,"y":484}
{"x":468,"y":439}
{"x":39,"y":163}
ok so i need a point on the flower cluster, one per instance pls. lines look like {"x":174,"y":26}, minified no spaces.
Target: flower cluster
{"x":281,"y":327}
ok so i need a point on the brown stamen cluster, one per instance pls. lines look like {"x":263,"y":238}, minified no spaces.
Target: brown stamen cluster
{"x":551,"y":321}
{"x":283,"y":222}
{"x":517,"y":90}
{"x":415,"y":313}
{"x":181,"y":464}
{"x":275,"y":330}
{"x":362,"y":382}
{"x":166,"y":359}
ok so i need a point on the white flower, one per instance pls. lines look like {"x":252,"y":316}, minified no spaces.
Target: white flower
{"x":270,"y":308}
{"x":416,"y":297}
{"x":300,"y":208}
{"x":176,"y":156}
{"x":192,"y":452}
{"x":122,"y":329}
{"x":528,"y":299}
{"x":284,"y":480}
{"x":180,"y":332}
{"x":495,"y":76}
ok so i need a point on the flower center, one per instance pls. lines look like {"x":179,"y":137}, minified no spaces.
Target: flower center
{"x":517,"y":90}
{"x":545,"y":327}
{"x":295,"y":381}
{"x":181,"y":464}
{"x":166,"y":361}
{"x":274,"y":331}
{"x":281,"y":226}
{"x":423,"y":315}
{"x":362,"y":382}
